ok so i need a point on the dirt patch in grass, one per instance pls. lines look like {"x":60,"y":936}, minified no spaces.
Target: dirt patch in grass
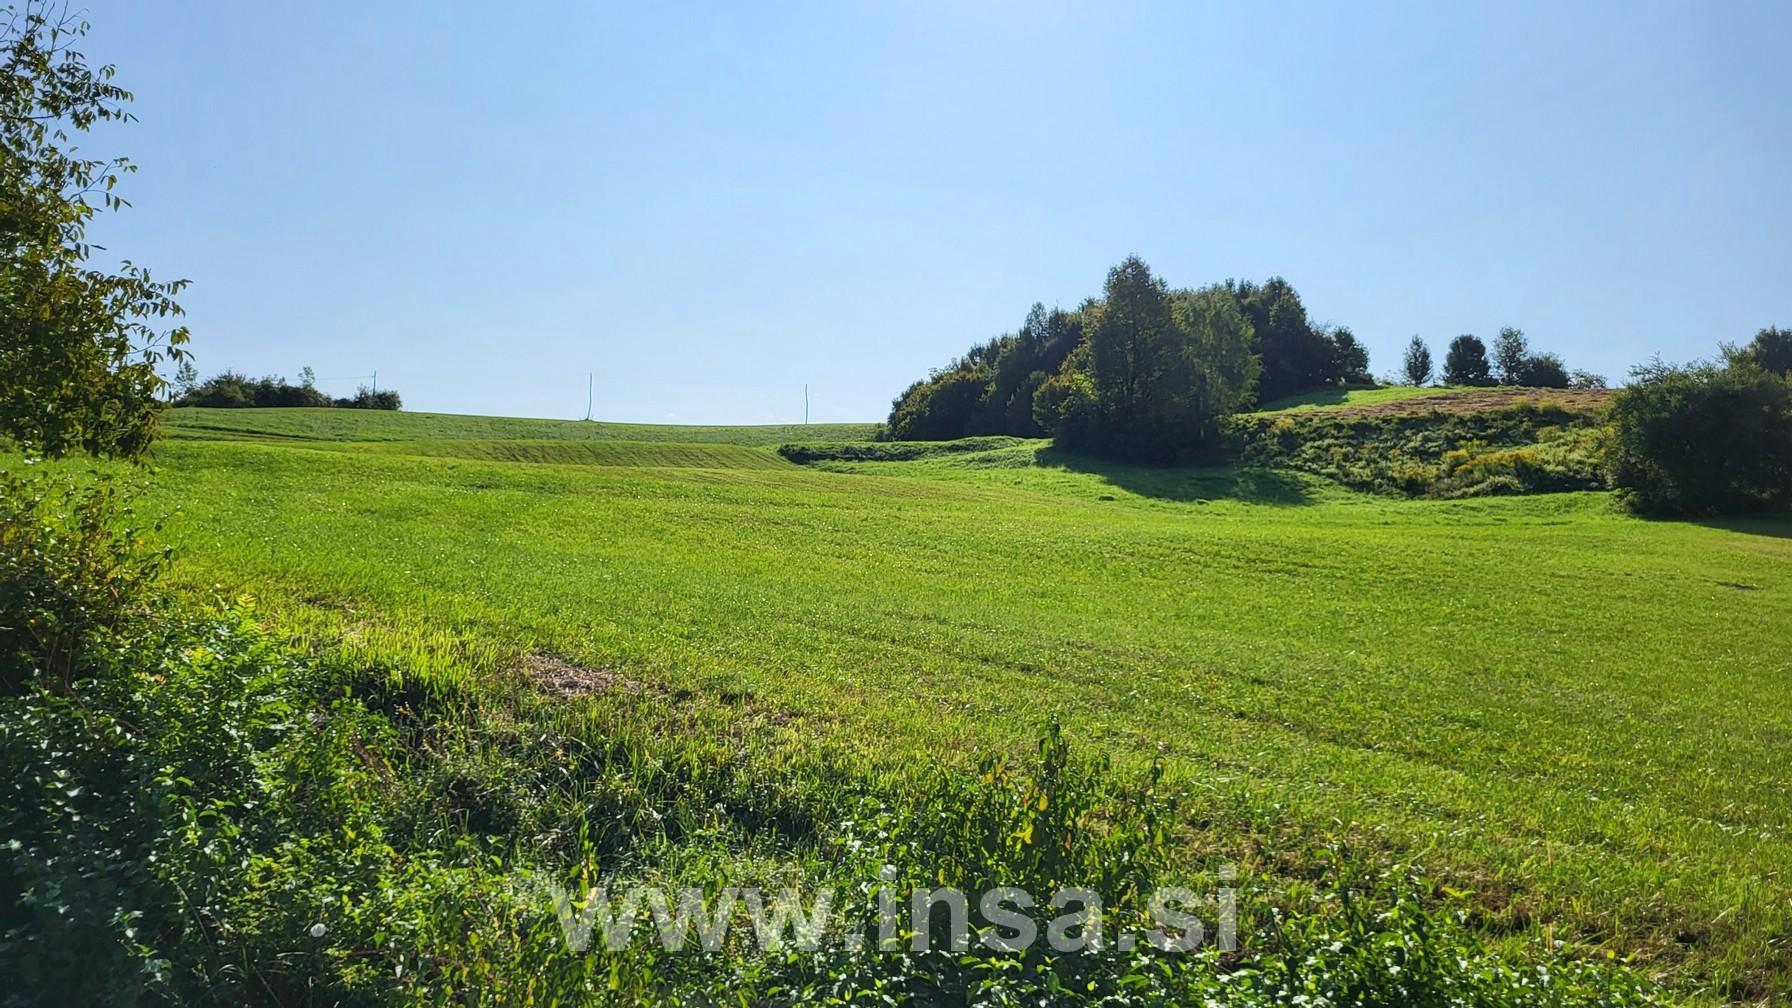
{"x":562,"y":678}
{"x":1479,"y":400}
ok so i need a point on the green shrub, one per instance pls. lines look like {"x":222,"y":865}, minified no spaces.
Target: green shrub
{"x":1530,"y":447}
{"x":1705,"y":439}
{"x":73,"y":576}
{"x":890,"y":451}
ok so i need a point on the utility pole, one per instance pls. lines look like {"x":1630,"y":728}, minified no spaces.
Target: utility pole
{"x":376,"y":381}
{"x":590,"y":378}
{"x":805,"y":404}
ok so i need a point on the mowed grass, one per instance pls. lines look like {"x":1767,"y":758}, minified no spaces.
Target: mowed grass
{"x":382,"y":425}
{"x":1579,"y":716}
{"x":1327,"y":398}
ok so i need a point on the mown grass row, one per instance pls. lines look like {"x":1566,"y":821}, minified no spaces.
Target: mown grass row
{"x":378,"y":425}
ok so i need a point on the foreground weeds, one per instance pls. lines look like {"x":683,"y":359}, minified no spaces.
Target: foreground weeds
{"x":212,"y":819}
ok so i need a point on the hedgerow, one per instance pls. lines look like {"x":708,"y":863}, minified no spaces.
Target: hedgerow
{"x":1525,"y":448}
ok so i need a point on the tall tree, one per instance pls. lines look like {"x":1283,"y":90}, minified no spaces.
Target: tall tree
{"x":1544,"y":370}
{"x":1771,"y":349}
{"x":1510,"y":351}
{"x":1133,"y":353}
{"x":1296,"y":356}
{"x":1417,"y":365}
{"x":1350,"y":358}
{"x":78,"y":362}
{"x":1465,"y":363}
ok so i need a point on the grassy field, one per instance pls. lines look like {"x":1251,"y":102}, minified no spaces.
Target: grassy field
{"x":381,"y":425}
{"x":1327,"y":398}
{"x":1576,"y":715}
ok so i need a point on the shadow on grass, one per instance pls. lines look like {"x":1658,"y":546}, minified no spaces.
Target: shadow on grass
{"x":1317,"y":397}
{"x":1774,"y":526}
{"x":1188,"y":484}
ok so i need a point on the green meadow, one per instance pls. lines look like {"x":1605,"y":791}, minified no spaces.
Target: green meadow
{"x":1573,"y":716}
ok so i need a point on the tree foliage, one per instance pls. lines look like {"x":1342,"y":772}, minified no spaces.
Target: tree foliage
{"x":1514,"y":364}
{"x":78,"y":365}
{"x":1416,"y":366}
{"x":1296,"y":354}
{"x":1705,"y":439}
{"x":1465,"y":363}
{"x":1111,"y":388}
{"x":1771,"y":350}
{"x":232,"y":389}
{"x":1510,"y":348}
{"x":1158,"y":371}
{"x":1544,"y":370}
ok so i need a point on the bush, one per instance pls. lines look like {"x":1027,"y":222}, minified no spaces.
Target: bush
{"x":73,"y":576}
{"x":1526,"y":448}
{"x":231,"y":390}
{"x":1705,"y":439}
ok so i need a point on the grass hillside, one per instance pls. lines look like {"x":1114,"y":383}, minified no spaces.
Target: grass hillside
{"x":1336,"y":397}
{"x":1395,"y":400}
{"x":382,"y":425}
{"x":1574,"y":715}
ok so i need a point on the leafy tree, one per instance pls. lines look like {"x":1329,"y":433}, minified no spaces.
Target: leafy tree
{"x":1296,"y":356}
{"x":1510,"y":350}
{"x":78,"y":363}
{"x":186,"y":379}
{"x":1465,"y":363}
{"x":1703,"y":439}
{"x":1008,"y":371}
{"x":1542,"y":371}
{"x":1416,"y":368}
{"x":1217,"y":339}
{"x":1156,"y":373}
{"x":1771,"y":349}
{"x":1350,"y":358}
{"x":79,"y":349}
{"x":1586,"y":380}
{"x":366,"y":398}
{"x":307,"y":378}
{"x":938,"y":409}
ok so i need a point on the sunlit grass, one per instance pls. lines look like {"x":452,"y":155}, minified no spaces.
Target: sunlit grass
{"x":1576,"y":714}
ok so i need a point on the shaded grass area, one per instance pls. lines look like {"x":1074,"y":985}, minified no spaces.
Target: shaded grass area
{"x":1575,"y":715}
{"x":204,"y":423}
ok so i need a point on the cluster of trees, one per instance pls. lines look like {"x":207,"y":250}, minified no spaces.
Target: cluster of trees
{"x":1467,"y":362}
{"x":1156,"y":371}
{"x":1143,"y":372}
{"x":1710,"y":438}
{"x":231,"y":389}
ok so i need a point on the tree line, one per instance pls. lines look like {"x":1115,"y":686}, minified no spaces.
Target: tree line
{"x":234,"y":389}
{"x":1143,"y":372}
{"x":1467,"y":362}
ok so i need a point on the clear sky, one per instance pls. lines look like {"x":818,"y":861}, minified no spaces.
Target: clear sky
{"x":710,"y":206}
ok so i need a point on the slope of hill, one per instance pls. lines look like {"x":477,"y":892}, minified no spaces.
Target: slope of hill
{"x":382,"y":425}
{"x":1571,"y":713}
{"x":1396,"y":400}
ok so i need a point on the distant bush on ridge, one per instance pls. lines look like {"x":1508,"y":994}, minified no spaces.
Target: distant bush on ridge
{"x":230,"y":389}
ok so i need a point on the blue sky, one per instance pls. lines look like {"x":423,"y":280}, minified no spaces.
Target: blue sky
{"x":710,"y":206}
